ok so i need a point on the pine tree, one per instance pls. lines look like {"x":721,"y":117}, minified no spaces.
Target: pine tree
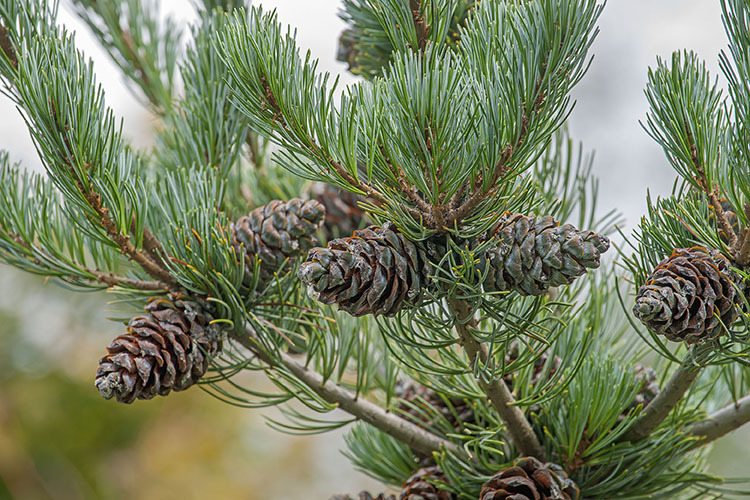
{"x":477,"y":333}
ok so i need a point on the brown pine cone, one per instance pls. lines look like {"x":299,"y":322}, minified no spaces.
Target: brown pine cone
{"x":375,"y":271}
{"x":168,"y":349}
{"x":420,"y":487}
{"x":277,"y":233}
{"x":530,"y":479}
{"x":415,"y":393}
{"x":690,"y":297}
{"x":363,"y":495}
{"x":343,"y":213}
{"x":533,"y":254}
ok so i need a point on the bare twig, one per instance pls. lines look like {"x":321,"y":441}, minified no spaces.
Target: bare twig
{"x":414,"y":436}
{"x":658,"y":409}
{"x":723,"y":421}
{"x":425,"y":211}
{"x":519,"y":428}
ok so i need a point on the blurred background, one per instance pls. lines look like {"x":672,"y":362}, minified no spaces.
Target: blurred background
{"x":60,"y":440}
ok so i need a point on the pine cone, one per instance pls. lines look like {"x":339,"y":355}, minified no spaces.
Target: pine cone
{"x":419,"y":487}
{"x":536,"y":253}
{"x":461,"y":414}
{"x":529,"y":479}
{"x":343,"y":214}
{"x":363,"y":495}
{"x":167,"y":349}
{"x":276,"y":232}
{"x":690,"y":297}
{"x":375,"y":271}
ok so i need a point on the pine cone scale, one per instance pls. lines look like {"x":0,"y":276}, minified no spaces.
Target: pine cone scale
{"x":375,"y":271}
{"x":690,"y":296}
{"x":530,"y":479}
{"x":533,"y":254}
{"x":277,"y":233}
{"x":159,"y":353}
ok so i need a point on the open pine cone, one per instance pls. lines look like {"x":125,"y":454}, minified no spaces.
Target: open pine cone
{"x":690,"y":297}
{"x":530,"y":479}
{"x":167,"y":349}
{"x":420,"y":487}
{"x":533,"y":254}
{"x":277,"y":232}
{"x":375,"y":271}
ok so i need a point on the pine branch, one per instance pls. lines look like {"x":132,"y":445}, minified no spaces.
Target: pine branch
{"x":670,"y":395}
{"x":95,"y":201}
{"x":130,"y":31}
{"x":712,"y":192}
{"x":523,"y":435}
{"x":414,"y":436}
{"x":312,"y":146}
{"x":153,"y":246}
{"x":111,"y":279}
{"x":721,"y":422}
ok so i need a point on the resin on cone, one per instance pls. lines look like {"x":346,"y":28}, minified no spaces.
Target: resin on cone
{"x":375,"y":271}
{"x":530,"y":479}
{"x":534,"y":253}
{"x":690,"y":297}
{"x":277,"y":233}
{"x":167,"y":349}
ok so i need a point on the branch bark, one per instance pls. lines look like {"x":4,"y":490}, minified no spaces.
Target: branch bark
{"x":414,"y":436}
{"x":724,"y":421}
{"x":713,"y":197}
{"x":519,"y":428}
{"x":662,"y":405}
{"x":111,"y":279}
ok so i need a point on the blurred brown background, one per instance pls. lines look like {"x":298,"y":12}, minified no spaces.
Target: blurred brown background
{"x":60,"y":440}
